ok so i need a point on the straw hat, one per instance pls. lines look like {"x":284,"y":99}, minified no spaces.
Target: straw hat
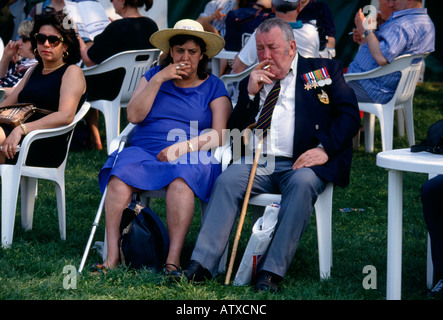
{"x":214,"y":43}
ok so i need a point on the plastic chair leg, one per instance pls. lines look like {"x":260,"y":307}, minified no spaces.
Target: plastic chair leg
{"x":400,"y":114}
{"x":28,"y":192}
{"x":387,"y":128}
{"x":111,"y":112}
{"x":10,"y":186}
{"x":369,"y":123}
{"x":409,"y":119}
{"x":61,"y":208}
{"x":323,"y":213}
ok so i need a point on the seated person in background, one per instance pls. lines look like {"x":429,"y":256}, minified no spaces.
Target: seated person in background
{"x":46,"y":6}
{"x":318,"y":13}
{"x":240,"y":24}
{"x":180,"y":111}
{"x":308,"y":144}
{"x":49,"y":6}
{"x":408,"y":30}
{"x":384,"y":11}
{"x":56,"y":83}
{"x":9,"y":77}
{"x":244,"y":21}
{"x":214,"y":15}
{"x":306,"y":36}
{"x":132,"y":32}
{"x":431,"y":192}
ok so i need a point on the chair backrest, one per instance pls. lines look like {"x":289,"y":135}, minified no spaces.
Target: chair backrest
{"x":409,"y":78}
{"x":142,"y":62}
{"x":408,"y":65}
{"x":135,"y":63}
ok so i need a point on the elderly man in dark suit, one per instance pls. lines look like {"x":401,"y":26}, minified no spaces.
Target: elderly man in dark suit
{"x":313,"y":122}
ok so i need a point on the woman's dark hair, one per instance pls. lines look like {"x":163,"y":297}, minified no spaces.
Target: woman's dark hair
{"x":181,"y":39}
{"x":65,"y":26}
{"x":139,"y":3}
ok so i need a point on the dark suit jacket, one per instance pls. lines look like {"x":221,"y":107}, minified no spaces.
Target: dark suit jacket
{"x":333,"y":125}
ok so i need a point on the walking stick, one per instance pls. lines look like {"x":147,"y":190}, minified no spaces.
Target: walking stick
{"x":243,"y":211}
{"x":100,"y":210}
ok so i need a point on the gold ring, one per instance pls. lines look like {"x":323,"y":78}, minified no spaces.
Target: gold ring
{"x":10,"y":148}
{"x":261,"y":79}
{"x":176,"y":71}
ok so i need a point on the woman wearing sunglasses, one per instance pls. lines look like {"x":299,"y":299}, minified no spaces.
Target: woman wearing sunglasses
{"x":17,"y":50}
{"x":55,"y":84}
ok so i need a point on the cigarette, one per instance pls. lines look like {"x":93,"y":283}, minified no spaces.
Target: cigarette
{"x":266,"y":67}
{"x":182,"y":64}
{"x":351,"y":33}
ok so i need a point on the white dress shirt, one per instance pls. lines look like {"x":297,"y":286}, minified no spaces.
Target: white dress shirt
{"x":280,"y":139}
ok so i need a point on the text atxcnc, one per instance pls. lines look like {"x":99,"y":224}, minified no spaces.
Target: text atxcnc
{"x":230,"y":309}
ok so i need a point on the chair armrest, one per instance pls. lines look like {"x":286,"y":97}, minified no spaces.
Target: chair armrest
{"x":399,"y":64}
{"x":229,"y":78}
{"x":223,"y":154}
{"x":52,"y":132}
{"x":128,"y":132}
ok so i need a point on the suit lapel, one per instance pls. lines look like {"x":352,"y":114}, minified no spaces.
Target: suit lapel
{"x":302,"y":98}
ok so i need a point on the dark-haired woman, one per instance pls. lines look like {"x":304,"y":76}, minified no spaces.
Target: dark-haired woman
{"x":180,"y":111}
{"x":55,"y":84}
{"x":132,"y":32}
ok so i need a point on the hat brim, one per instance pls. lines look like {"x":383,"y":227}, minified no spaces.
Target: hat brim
{"x":214,"y":42}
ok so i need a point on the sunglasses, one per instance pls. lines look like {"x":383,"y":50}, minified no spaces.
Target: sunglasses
{"x":25,"y":38}
{"x":52,"y":40}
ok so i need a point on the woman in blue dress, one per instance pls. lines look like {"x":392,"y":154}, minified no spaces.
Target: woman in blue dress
{"x":180,"y":111}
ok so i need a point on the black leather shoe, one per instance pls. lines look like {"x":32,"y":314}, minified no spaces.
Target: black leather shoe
{"x":196,"y":272}
{"x":267,"y":281}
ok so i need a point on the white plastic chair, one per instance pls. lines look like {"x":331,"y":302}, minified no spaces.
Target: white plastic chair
{"x":135,"y":63}
{"x":231,"y":82}
{"x":27,"y":177}
{"x":236,"y":77}
{"x":409,"y":66}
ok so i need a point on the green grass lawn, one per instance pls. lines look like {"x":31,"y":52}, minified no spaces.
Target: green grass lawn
{"x":37,"y":265}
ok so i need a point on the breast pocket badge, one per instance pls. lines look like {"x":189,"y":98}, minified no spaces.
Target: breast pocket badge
{"x":323,"y":97}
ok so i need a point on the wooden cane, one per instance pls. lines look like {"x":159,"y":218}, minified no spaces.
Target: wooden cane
{"x":243,"y":211}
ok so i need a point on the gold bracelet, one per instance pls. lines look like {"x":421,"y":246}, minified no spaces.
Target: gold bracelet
{"x":24,"y":128}
{"x":190,"y":145}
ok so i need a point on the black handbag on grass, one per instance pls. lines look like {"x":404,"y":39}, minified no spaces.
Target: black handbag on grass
{"x":144,"y":240}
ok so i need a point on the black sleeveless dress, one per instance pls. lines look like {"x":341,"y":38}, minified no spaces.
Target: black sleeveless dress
{"x":44,"y":91}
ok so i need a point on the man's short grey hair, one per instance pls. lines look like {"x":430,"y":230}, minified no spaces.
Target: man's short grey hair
{"x":285,"y":6}
{"x":271,"y":23}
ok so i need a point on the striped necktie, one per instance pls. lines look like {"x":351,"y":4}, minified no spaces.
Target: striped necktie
{"x":264,"y":120}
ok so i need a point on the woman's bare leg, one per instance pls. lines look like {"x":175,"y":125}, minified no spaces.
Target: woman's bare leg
{"x":179,"y":214}
{"x":118,"y":196}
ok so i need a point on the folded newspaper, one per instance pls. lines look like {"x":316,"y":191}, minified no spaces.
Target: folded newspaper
{"x":89,"y":16}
